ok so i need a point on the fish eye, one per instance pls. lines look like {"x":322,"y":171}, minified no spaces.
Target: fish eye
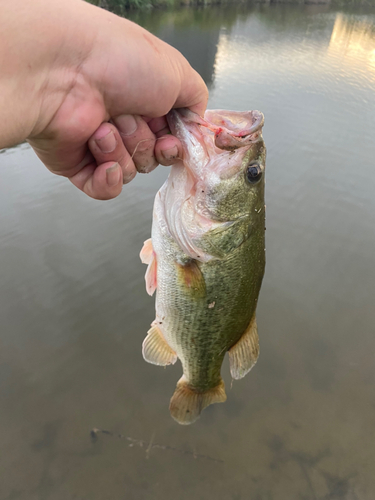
{"x":254,"y":173}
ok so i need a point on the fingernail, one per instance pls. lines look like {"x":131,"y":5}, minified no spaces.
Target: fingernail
{"x":126,"y":124}
{"x":108,"y":143}
{"x":170,"y":154}
{"x":113,"y":175}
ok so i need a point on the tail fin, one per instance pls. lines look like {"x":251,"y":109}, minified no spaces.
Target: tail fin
{"x":186,"y":404}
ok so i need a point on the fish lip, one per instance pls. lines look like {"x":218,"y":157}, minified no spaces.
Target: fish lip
{"x":225,"y":138}
{"x":256,"y":125}
{"x":257,"y":119}
{"x":230,"y":140}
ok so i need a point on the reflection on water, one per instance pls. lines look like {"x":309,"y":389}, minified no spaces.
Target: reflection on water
{"x":353,"y":41}
{"x":74,"y":310}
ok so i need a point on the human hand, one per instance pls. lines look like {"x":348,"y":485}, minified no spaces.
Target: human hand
{"x":98,"y":88}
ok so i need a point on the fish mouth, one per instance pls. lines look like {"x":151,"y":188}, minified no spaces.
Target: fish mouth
{"x":231,"y":129}
{"x":236,"y":130}
{"x":216,"y":143}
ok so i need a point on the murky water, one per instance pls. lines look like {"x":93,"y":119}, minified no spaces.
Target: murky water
{"x":74,"y":310}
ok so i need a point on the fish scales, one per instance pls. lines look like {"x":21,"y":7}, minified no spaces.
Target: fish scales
{"x":206,"y":256}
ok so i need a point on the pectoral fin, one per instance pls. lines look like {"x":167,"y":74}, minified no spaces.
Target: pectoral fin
{"x":155,"y":349}
{"x":191,"y":277}
{"x":244,"y":354}
{"x":146,"y":252}
{"x":151,"y":276}
{"x":148,"y":256}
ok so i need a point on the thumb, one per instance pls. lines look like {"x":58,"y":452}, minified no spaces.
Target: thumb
{"x":143,"y":75}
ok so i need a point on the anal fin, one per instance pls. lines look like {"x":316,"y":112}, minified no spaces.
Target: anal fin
{"x":244,"y":354}
{"x":155,"y":349}
{"x":186,"y":404}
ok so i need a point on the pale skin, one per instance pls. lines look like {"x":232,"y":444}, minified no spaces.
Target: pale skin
{"x":89,"y":91}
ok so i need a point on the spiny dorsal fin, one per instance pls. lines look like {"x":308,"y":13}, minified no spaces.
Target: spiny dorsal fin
{"x":244,"y":354}
{"x":155,"y":349}
{"x":186,"y":404}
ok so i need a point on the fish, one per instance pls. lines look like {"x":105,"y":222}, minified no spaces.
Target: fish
{"x":206,"y":255}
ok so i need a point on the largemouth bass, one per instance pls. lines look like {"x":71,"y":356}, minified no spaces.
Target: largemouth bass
{"x":206,"y":256}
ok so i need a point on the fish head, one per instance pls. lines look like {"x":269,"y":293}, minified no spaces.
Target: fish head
{"x":234,"y":183}
{"x":223,"y":168}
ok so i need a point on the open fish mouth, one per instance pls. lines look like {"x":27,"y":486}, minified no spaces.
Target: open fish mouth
{"x":231,"y":129}
{"x":208,"y":141}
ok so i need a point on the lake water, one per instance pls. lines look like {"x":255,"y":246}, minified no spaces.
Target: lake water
{"x":74,"y":310}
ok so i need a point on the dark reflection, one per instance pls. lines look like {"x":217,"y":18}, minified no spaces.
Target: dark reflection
{"x":198,"y":46}
{"x":193,"y":31}
{"x":74,"y":310}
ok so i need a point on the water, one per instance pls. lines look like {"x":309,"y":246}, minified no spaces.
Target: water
{"x":74,"y":310}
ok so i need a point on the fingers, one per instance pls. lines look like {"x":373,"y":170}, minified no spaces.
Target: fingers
{"x":102,"y":182}
{"x":168,"y":148}
{"x":147,"y":141}
{"x":139,"y":140}
{"x":106,"y":166}
{"x":116,"y":154}
{"x":106,"y":146}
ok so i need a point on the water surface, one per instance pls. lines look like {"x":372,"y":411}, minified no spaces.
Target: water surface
{"x":74,"y":310}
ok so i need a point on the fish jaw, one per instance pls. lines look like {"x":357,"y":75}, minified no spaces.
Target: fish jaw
{"x":234,"y":129}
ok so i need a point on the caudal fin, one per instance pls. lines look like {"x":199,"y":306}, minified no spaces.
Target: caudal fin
{"x":186,"y":404}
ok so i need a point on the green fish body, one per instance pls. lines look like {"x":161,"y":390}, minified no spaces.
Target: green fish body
{"x":206,"y":256}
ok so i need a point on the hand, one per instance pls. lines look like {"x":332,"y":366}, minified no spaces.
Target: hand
{"x":90,"y":91}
